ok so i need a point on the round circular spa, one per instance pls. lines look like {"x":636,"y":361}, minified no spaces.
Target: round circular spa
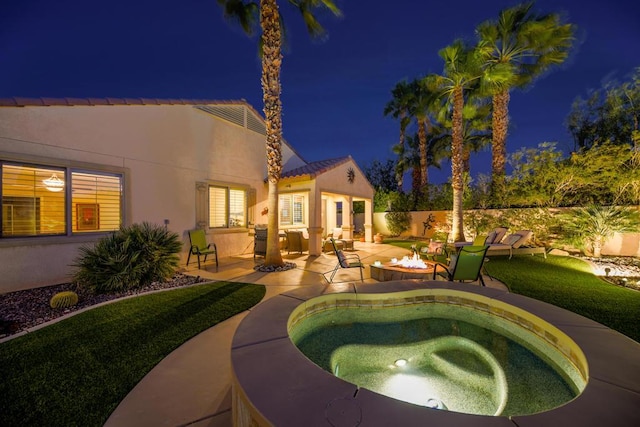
{"x":400,"y":353}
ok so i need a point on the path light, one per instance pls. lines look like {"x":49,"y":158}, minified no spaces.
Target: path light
{"x":400,"y":362}
{"x":607,"y":270}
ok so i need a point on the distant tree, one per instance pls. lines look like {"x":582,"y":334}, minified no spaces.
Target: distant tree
{"x":381,"y":175}
{"x":398,"y":108}
{"x":425,"y":103}
{"x":517,"y":48}
{"x":610,"y":113}
{"x":542,"y":176}
{"x":265,"y":14}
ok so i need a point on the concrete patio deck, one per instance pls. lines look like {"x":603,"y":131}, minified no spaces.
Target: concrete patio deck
{"x":192,"y":385}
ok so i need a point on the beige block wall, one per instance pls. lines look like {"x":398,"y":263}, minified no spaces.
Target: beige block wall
{"x":621,"y":244}
{"x":163,"y":150}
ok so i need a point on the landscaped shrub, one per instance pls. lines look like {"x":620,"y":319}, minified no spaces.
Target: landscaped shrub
{"x":589,"y":228}
{"x":64,"y":299}
{"x":132,"y":257}
{"x":397,"y":222}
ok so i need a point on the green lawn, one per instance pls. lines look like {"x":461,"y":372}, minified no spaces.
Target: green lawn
{"x":566,"y":282}
{"x":77,"y":371}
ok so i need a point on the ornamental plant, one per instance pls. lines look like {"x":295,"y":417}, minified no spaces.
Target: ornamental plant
{"x":132,"y":257}
{"x":590,"y":227}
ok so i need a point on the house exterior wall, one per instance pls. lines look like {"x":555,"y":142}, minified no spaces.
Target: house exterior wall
{"x":162,"y":150}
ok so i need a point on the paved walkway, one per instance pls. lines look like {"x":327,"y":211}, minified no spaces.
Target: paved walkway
{"x":192,"y":386}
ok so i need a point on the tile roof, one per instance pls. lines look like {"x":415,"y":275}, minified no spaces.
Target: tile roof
{"x":70,"y":102}
{"x":314,"y":169}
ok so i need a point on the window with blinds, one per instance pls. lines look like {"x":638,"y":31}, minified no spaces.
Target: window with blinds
{"x":285,"y":210}
{"x":96,"y":202}
{"x":292,"y":209}
{"x":37,"y":201}
{"x":227,"y":207}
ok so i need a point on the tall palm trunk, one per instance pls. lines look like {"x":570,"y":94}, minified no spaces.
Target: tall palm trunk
{"x":400,"y":175}
{"x":466,"y":159}
{"x":457,"y":182}
{"x":422,"y":139}
{"x":271,"y":63}
{"x":500,"y":124}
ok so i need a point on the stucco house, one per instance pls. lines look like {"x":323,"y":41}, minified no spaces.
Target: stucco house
{"x":73,"y":170}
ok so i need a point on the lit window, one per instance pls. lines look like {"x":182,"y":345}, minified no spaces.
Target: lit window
{"x":96,"y":201}
{"x":292,"y":209}
{"x":35,"y":201}
{"x":227,"y":207}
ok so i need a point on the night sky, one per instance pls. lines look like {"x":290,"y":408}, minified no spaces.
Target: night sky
{"x":334,"y":90}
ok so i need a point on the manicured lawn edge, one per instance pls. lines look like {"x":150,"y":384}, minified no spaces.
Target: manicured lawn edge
{"x":75,"y":372}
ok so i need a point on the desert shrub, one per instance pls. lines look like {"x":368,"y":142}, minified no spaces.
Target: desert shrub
{"x":589,"y":228}
{"x":64,"y":299}
{"x":131,"y":257}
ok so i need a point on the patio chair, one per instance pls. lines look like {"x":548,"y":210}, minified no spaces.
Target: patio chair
{"x":260,"y":242}
{"x":465,"y":265}
{"x":344,"y":261}
{"x":296,"y":241}
{"x":435,"y":251}
{"x":200,"y":247}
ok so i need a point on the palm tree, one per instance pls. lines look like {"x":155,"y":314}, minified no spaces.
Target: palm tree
{"x":246,"y":14}
{"x":476,"y":132}
{"x":461,"y":72}
{"x":424,"y":102}
{"x":398,"y":107}
{"x":515,"y":50}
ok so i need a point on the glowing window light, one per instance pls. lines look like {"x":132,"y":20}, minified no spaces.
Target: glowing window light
{"x":53,"y":183}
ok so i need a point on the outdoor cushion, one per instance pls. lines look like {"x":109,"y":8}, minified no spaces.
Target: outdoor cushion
{"x":524,"y":239}
{"x":500,"y":233}
{"x":491,"y":237}
{"x":511,"y":239}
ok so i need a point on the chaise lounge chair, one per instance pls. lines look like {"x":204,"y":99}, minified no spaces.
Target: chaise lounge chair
{"x":517,"y":243}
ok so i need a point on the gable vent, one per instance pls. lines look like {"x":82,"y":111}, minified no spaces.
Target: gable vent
{"x":255,"y":124}
{"x":230,"y":113}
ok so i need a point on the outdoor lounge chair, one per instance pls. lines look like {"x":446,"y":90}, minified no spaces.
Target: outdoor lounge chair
{"x":493,"y":237}
{"x":465,"y":265}
{"x":344,"y":261}
{"x":200,"y":247}
{"x":517,"y":243}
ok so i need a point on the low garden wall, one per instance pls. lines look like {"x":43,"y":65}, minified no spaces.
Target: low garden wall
{"x":433,"y":224}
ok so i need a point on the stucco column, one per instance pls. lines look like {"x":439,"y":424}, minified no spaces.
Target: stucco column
{"x":368,"y":221}
{"x":315,"y":221}
{"x":347,"y":218}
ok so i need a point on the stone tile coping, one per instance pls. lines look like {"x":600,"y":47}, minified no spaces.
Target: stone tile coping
{"x":275,"y":384}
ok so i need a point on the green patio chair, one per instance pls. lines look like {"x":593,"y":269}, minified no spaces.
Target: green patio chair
{"x":466,"y":265}
{"x":200,"y":247}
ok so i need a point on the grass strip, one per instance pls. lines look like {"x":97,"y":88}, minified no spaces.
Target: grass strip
{"x":76,"y":372}
{"x":569,"y":283}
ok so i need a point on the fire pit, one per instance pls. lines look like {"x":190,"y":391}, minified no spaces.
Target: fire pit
{"x":409,"y":267}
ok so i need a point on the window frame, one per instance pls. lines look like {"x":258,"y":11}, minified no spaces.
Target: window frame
{"x":292,"y":204}
{"x":69,"y":202}
{"x":228,"y":189}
